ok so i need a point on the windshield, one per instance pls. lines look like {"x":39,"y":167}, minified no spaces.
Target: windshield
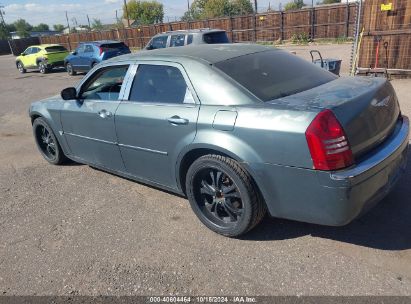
{"x":215,"y":37}
{"x":56,"y":48}
{"x":274,"y":74}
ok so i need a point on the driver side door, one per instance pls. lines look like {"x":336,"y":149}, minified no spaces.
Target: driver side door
{"x":88,"y":122}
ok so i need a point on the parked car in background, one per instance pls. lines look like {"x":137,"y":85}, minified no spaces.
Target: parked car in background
{"x":187,"y":37}
{"x":239,"y":129}
{"x":42,"y":57}
{"x":88,"y":54}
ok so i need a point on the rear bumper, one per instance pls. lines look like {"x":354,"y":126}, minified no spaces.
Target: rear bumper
{"x":55,"y":64}
{"x":335,"y":198}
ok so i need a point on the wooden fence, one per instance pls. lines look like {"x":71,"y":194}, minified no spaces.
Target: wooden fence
{"x":389,"y":31}
{"x":326,"y":21}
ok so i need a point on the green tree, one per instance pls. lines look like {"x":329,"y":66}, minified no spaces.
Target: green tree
{"x":202,"y":9}
{"x":145,"y":12}
{"x":41,"y":27}
{"x":22,"y":28}
{"x":96,"y":24}
{"x":330,"y":1}
{"x":296,"y":4}
{"x":59,"y":27}
{"x":4,"y":32}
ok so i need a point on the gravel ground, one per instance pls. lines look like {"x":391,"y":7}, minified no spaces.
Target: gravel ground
{"x":74,"y":230}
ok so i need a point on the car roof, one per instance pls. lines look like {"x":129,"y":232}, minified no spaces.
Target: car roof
{"x":210,"y":53}
{"x":45,"y":45}
{"x":100,"y":42}
{"x":193,"y":31}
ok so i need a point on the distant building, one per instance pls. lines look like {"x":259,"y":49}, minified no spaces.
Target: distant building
{"x":77,"y":28}
{"x":133,"y":23}
{"x":15,"y":35}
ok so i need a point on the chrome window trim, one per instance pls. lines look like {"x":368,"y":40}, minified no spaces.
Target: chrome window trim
{"x":179,"y":66}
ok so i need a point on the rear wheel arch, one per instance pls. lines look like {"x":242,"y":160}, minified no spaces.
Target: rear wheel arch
{"x":190,"y":156}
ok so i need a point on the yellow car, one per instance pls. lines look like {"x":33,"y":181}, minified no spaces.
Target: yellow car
{"x":43,"y":57}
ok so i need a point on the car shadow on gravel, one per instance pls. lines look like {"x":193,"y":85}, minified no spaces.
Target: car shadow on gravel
{"x":387,"y":226}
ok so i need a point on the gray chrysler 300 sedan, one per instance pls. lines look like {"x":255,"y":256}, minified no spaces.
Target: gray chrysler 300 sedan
{"x":238,"y":129}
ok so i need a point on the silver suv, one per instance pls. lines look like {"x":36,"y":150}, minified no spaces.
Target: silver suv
{"x":187,"y":37}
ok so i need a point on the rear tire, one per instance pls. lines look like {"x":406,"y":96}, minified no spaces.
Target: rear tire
{"x":43,"y":67}
{"x":21,"y":68}
{"x":70,"y":69}
{"x":224,"y":196}
{"x":47,"y":142}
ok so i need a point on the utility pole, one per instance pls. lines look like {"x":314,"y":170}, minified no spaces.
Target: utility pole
{"x":116,"y":17}
{"x":88,"y":21}
{"x":126,"y":8}
{"x":68,"y":24}
{"x":188,"y":5}
{"x":1,"y":14}
{"x":255,"y":6}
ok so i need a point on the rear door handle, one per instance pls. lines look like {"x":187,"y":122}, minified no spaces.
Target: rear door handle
{"x":177,"y":120}
{"x":104,"y":113}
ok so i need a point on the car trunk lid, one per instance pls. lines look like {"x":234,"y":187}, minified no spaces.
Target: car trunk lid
{"x":367,"y":108}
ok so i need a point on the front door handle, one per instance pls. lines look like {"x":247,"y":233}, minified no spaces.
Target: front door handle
{"x":104,"y":113}
{"x":177,"y":120}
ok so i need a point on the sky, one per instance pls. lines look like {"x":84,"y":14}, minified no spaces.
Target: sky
{"x":53,"y":11}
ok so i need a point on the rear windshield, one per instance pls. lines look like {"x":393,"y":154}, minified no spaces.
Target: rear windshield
{"x":216,"y":37}
{"x":56,"y":48}
{"x":113,"y":46}
{"x":274,"y":74}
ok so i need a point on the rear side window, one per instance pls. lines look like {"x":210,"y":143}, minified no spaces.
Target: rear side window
{"x":159,"y":84}
{"x":216,"y":37}
{"x":189,"y":39}
{"x":274,"y":74}
{"x":56,"y":48}
{"x":177,"y":40}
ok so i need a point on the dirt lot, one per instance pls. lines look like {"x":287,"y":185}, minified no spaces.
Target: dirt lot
{"x":74,"y":230}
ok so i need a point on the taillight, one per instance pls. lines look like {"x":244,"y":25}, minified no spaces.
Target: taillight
{"x":327,"y":142}
{"x":101,"y":50}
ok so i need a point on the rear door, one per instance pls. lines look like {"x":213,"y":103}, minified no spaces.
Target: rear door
{"x":156,"y":121}
{"x":88,"y":123}
{"x":88,"y":56}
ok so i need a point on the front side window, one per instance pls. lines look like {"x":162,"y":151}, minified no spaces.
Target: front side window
{"x":160,"y":84}
{"x":28,"y":51}
{"x":159,"y":42}
{"x":177,"y":40}
{"x":80,"y":49}
{"x":105,"y":84}
{"x":35,"y":50}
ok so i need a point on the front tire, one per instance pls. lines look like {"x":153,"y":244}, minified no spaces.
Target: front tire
{"x":70,"y":69}
{"x":21,"y":68}
{"x":223,"y":195}
{"x":47,"y":142}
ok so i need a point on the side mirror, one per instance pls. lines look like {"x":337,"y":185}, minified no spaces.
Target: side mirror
{"x":74,"y":52}
{"x":69,"y":94}
{"x":23,"y":54}
{"x":150,"y":47}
